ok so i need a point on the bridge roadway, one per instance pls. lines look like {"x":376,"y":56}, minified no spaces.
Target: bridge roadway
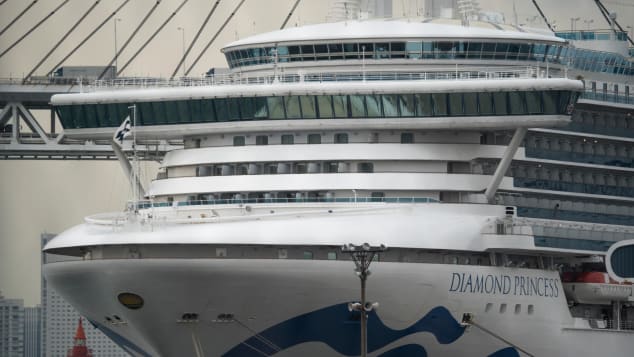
{"x":18,"y":98}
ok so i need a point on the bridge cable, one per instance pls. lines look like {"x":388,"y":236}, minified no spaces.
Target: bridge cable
{"x":214,"y":38}
{"x":603,"y":11}
{"x":606,"y":15}
{"x":290,"y":14}
{"x":17,"y":17}
{"x":81,"y":19}
{"x":34,"y":27}
{"x":88,"y":37}
{"x":200,"y":30}
{"x":127,"y":42}
{"x":543,"y":16}
{"x":152,"y":37}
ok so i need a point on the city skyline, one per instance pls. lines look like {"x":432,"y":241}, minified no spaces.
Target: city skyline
{"x":54,"y":195}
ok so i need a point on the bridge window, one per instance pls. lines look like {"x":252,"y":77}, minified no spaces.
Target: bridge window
{"x":292,"y":107}
{"x":390,"y":105}
{"x":340,"y":105}
{"x":373,"y":105}
{"x":357,"y":106}
{"x":322,"y":107}
{"x":275,"y":107}
{"x":407,"y":105}
{"x":308,"y":107}
{"x":440,"y":103}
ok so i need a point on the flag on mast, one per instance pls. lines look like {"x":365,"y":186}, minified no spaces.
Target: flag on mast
{"x":122,"y":132}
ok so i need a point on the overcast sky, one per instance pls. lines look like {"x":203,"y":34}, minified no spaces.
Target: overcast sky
{"x":50,"y":196}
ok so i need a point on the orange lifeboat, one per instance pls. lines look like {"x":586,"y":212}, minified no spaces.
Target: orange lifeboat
{"x":594,"y":287}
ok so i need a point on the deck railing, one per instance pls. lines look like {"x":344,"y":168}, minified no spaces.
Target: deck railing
{"x":453,"y":73}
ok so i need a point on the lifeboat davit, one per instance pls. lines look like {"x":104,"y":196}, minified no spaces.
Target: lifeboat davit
{"x":595,"y":288}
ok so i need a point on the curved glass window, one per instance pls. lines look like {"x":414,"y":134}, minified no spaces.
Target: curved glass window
{"x":582,"y":59}
{"x":621,"y":260}
{"x":319,"y":107}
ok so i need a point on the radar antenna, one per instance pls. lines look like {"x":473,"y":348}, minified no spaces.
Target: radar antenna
{"x":468,"y":9}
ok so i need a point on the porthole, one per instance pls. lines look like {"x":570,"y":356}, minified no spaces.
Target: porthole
{"x":131,"y":301}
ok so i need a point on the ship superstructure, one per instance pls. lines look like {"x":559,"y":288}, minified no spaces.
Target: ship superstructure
{"x":494,"y":162}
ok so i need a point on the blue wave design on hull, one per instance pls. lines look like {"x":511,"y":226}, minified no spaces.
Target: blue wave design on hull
{"x":506,"y":352}
{"x":405,"y":351}
{"x":338,"y":328}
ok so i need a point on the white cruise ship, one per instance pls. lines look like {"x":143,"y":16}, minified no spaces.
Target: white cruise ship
{"x":493,"y":161}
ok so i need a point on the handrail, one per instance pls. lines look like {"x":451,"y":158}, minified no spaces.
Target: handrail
{"x":453,"y":73}
{"x":449,"y":73}
{"x":120,"y":218}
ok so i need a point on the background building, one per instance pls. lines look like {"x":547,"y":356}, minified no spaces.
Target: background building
{"x":59,"y":322}
{"x":32,"y":331}
{"x":11,"y":327}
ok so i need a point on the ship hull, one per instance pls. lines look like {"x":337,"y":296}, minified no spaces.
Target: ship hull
{"x":255,"y":307}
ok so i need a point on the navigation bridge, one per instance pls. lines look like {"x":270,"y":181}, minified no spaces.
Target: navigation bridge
{"x":25,"y":107}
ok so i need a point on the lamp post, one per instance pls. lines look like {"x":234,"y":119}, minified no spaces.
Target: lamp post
{"x":631,"y":31}
{"x":362,"y":256}
{"x":588,"y":22}
{"x":116,"y":52}
{"x":182,"y":30}
{"x":573,"y":21}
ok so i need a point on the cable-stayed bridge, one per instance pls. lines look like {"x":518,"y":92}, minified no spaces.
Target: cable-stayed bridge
{"x":29,"y":127}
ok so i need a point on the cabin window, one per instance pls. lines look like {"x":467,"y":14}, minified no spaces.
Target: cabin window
{"x":341,"y":138}
{"x":332,"y":256}
{"x":314,"y":138}
{"x":288,"y":139}
{"x":365,"y":167}
{"x":261,"y":140}
{"x":407,"y":138}
{"x":238,"y":141}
